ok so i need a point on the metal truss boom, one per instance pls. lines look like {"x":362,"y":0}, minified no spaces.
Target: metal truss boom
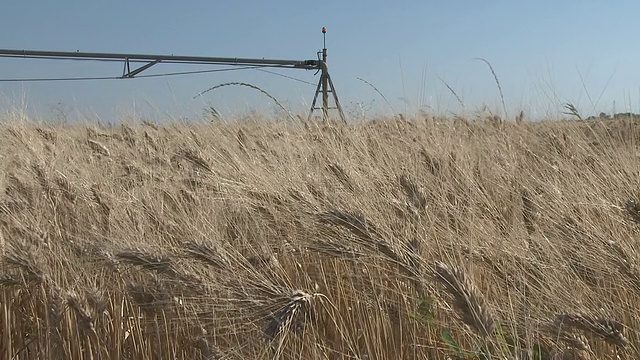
{"x":71,"y":55}
{"x":150,"y":60}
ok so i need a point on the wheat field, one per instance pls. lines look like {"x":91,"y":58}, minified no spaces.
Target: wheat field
{"x":417,"y":238}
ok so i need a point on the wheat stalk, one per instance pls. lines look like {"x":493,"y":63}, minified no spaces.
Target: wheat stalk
{"x":452,"y":91}
{"x":379,"y":93}
{"x":495,"y":77}
{"x":252,"y":87}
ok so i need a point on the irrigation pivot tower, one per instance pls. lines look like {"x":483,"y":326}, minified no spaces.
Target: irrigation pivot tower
{"x":325,"y":85}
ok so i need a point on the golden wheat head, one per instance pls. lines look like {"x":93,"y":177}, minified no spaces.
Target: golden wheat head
{"x":468,"y":299}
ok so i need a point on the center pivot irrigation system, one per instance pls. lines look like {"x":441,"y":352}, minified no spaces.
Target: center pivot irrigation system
{"x":325,"y":85}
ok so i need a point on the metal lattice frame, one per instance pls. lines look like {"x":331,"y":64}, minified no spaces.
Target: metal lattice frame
{"x":150,"y":60}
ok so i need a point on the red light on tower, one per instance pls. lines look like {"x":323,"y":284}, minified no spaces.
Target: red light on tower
{"x":324,"y":30}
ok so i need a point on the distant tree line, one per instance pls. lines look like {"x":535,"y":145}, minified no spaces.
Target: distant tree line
{"x":605,"y":116}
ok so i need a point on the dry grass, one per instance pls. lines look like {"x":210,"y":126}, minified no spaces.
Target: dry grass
{"x":395,"y":239}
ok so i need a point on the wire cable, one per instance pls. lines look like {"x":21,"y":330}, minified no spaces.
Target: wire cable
{"x":197,"y":72}
{"x":287,"y":76}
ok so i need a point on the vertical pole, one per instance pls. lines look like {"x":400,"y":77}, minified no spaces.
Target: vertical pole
{"x":325,"y":78}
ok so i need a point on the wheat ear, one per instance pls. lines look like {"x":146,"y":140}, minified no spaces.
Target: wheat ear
{"x":608,"y":329}
{"x":288,"y":315}
{"x":468,"y":299}
{"x":208,"y":254}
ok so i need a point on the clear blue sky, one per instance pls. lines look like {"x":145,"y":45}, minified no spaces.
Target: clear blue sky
{"x":544,"y":53}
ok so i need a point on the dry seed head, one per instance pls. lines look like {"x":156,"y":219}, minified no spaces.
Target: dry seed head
{"x":129,"y":134}
{"x":209,"y":352}
{"x":571,"y":340}
{"x":146,"y":260}
{"x":259,"y":261}
{"x":195,"y":159}
{"x":85,"y":321}
{"x":188,"y":197}
{"x":99,"y":253}
{"x":41,"y":176}
{"x":355,"y":223}
{"x":17,"y":189}
{"x":10,"y":280}
{"x":98,"y":148}
{"x":619,"y":252}
{"x":633,"y":209}
{"x":290,"y":315}
{"x":241,"y":139}
{"x":413,"y":192}
{"x":151,"y":141}
{"x":205,"y":347}
{"x":169,"y":201}
{"x":341,"y":174}
{"x":17,"y":134}
{"x":21,"y":258}
{"x":334,"y":249}
{"x":66,"y":187}
{"x":610,"y":330}
{"x":196,"y":138}
{"x":433,"y":164}
{"x":11,"y":207}
{"x":625,"y":263}
{"x":207,"y":253}
{"x":528,"y":211}
{"x":55,"y":305}
{"x":96,"y":301}
{"x":152,"y":297}
{"x":358,"y":225}
{"x":468,"y":299}
{"x":47,"y":135}
{"x":578,"y":342}
{"x":150,"y":124}
{"x":100,"y":200}
{"x":569,"y":354}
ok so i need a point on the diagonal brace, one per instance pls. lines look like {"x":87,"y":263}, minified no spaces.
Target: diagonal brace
{"x":130,"y":74}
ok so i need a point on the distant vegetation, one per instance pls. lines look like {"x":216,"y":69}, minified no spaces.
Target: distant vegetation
{"x":393,"y":239}
{"x":605,"y":116}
